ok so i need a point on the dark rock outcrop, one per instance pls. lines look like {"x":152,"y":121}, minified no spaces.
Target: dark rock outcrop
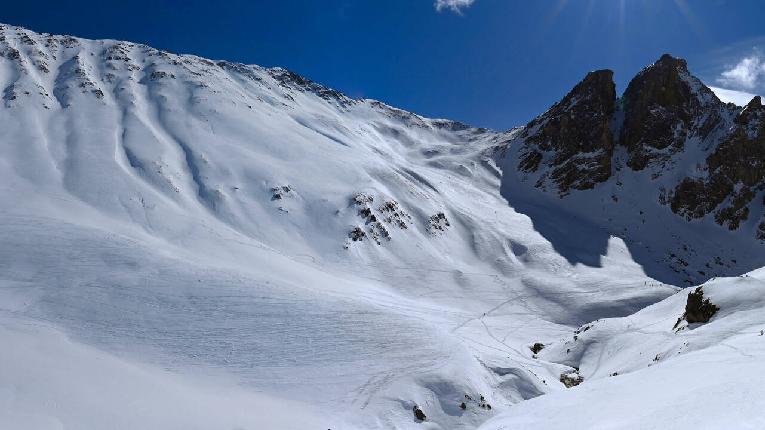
{"x":574,"y":138}
{"x":571,"y":379}
{"x":292,"y":80}
{"x":698,"y":309}
{"x":666,"y":123}
{"x":735,"y":173}
{"x":664,"y":106}
{"x":538,"y":346}
{"x":419,"y":415}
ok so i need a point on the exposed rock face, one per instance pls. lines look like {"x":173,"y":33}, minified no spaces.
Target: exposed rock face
{"x":664,"y":106}
{"x":667,"y":124}
{"x":736,"y":173}
{"x":574,"y":138}
{"x":698,"y":309}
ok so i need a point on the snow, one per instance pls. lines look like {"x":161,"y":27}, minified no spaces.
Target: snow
{"x":739,"y":98}
{"x":709,"y":376}
{"x":50,"y":382}
{"x":150,"y":279}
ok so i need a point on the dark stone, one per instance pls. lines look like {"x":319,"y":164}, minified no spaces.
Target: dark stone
{"x":698,"y":309}
{"x":661,"y":110}
{"x":571,"y":379}
{"x":576,"y":133}
{"x":418,"y":414}
{"x":537,"y":347}
{"x":357,"y":234}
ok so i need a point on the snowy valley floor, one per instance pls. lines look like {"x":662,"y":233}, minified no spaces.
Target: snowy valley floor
{"x":138,"y":338}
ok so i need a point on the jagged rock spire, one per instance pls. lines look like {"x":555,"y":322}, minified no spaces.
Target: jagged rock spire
{"x":574,"y":135}
{"x":661,"y":107}
{"x":663,"y":110}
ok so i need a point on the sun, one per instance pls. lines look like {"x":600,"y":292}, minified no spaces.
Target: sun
{"x":620,"y":10}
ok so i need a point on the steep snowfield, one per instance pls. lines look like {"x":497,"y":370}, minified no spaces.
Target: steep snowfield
{"x":177,"y":252}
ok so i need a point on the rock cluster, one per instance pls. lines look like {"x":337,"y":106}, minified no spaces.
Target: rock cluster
{"x":699,"y":309}
{"x":571,"y":379}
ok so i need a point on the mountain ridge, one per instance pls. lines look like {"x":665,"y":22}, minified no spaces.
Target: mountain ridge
{"x":667,"y":145}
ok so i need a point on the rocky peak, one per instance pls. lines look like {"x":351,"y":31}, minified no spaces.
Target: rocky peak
{"x":755,"y":103}
{"x":665,"y":116}
{"x":597,"y":85}
{"x":752,"y":110}
{"x":668,"y":61}
{"x":664,"y":106}
{"x":662,"y":109}
{"x":574,"y":138}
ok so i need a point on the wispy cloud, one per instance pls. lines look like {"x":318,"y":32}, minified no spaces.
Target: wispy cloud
{"x":455,"y":6}
{"x":747,"y":74}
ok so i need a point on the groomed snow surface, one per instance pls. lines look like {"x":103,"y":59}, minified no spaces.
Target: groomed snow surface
{"x":177,"y":253}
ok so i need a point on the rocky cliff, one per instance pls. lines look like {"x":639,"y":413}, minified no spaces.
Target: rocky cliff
{"x":574,"y":139}
{"x":666,"y":166}
{"x":667,"y":123}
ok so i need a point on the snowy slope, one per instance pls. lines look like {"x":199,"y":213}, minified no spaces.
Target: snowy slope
{"x":643,"y":372}
{"x":182,"y":227}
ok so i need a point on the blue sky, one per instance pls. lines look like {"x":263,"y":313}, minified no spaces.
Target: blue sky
{"x":493,"y":63}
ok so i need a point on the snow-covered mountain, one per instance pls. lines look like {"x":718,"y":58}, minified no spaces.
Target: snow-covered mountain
{"x":201,"y":244}
{"x":667,"y":166}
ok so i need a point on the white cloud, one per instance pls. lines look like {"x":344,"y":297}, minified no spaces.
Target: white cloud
{"x":455,"y":5}
{"x":747,"y":74}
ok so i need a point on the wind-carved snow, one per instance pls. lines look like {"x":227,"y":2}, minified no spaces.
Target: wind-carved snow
{"x":144,"y":247}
